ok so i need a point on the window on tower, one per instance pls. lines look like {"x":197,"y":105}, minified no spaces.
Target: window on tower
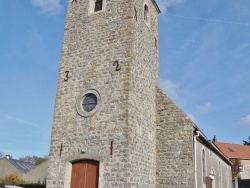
{"x":146,"y":13}
{"x":98,"y":5}
{"x":89,"y":102}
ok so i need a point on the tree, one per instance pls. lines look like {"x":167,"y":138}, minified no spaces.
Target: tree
{"x":40,"y":160}
{"x":12,"y":179}
{"x":34,"y":159}
{"x":247,"y":142}
{"x":235,"y":167}
{"x":28,"y":159}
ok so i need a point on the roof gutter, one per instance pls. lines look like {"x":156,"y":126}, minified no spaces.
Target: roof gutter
{"x":195,"y":158}
{"x":215,"y":148}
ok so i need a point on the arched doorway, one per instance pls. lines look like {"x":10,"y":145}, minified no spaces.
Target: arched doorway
{"x":210,"y":179}
{"x":85,"y":174}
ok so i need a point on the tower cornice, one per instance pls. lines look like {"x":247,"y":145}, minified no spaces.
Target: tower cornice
{"x":156,"y":6}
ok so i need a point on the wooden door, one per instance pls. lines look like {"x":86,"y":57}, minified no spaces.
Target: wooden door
{"x":85,"y":174}
{"x":209,"y":182}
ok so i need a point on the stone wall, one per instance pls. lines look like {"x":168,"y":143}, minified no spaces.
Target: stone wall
{"x":126,"y":116}
{"x":143,"y":80}
{"x":174,"y":145}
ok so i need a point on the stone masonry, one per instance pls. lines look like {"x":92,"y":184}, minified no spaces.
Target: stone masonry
{"x":126,"y":117}
{"x":174,"y":145}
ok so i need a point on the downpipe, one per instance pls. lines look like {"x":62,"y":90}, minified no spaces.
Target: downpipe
{"x":195,"y":159}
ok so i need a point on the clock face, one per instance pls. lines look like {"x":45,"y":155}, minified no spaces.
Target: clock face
{"x":88,"y":102}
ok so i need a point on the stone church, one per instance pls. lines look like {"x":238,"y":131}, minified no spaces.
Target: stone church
{"x":113,"y":126}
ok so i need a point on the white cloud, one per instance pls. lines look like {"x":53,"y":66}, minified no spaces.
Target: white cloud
{"x":165,"y":4}
{"x":204,"y":108}
{"x":245,"y":120}
{"x":169,"y":87}
{"x":48,"y":6}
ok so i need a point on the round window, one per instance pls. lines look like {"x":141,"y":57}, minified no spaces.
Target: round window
{"x":88,"y":102}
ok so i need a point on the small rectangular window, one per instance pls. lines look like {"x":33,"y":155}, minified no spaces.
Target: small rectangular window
{"x":98,"y":5}
{"x":241,"y":168}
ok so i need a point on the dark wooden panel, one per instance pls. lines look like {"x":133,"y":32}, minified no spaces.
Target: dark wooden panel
{"x":92,"y":174}
{"x":85,"y":174}
{"x":78,"y":175}
{"x":209,"y":182}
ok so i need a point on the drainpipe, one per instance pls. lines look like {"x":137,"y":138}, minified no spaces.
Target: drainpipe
{"x":195,"y":159}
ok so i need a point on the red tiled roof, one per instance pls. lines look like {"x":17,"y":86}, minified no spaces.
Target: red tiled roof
{"x":234,"y":150}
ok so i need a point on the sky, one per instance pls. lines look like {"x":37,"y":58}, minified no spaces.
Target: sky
{"x":204,"y":48}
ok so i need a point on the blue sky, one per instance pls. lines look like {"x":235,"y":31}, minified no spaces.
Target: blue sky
{"x":204,"y":67}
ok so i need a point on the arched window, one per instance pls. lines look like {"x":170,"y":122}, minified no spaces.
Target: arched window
{"x":146,"y":13}
{"x":204,"y":167}
{"x":220,"y":175}
{"x":227,"y":178}
{"x":98,"y":5}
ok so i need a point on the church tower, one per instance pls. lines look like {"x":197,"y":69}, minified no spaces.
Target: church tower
{"x":104,"y":127}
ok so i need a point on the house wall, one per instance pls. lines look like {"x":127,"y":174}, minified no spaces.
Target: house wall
{"x":38,"y":174}
{"x":245,"y":174}
{"x":174,"y":145}
{"x":7,"y":168}
{"x":212,"y":167}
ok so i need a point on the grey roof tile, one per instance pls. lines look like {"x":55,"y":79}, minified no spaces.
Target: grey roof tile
{"x":22,"y":166}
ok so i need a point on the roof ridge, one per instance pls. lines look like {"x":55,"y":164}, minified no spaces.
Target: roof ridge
{"x":230,"y":143}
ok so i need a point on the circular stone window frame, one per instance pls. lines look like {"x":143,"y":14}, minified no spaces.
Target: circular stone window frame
{"x":79,"y":101}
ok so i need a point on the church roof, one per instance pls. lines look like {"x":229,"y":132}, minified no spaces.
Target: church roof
{"x":236,"y":151}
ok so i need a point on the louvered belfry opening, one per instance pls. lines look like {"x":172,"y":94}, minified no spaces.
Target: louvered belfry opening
{"x":98,"y":5}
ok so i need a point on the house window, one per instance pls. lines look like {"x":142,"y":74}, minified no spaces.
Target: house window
{"x":204,"y":167}
{"x":98,"y":5}
{"x":241,"y":168}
